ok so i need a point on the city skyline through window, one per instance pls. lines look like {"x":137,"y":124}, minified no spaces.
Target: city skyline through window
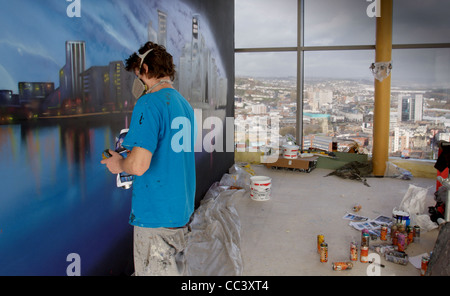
{"x":336,"y":99}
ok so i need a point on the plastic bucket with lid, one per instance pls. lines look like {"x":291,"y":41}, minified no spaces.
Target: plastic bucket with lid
{"x":400,"y":217}
{"x":290,"y":151}
{"x":260,"y":187}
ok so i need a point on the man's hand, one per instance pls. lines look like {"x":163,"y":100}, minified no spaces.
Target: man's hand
{"x":114,"y":163}
{"x":137,"y":162}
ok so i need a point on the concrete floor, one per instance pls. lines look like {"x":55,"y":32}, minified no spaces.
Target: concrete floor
{"x":279,"y":236}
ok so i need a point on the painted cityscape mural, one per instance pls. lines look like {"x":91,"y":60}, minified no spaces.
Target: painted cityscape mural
{"x":65,"y":96}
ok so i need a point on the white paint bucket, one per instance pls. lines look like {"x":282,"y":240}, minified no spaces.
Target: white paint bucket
{"x":400,"y":217}
{"x":260,"y":187}
{"x":290,"y":151}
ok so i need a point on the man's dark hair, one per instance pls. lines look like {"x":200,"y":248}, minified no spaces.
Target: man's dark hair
{"x":159,"y":61}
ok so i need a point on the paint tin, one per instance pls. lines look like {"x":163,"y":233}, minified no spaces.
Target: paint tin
{"x":400,"y":217}
{"x":260,"y":188}
{"x":393,"y":230}
{"x":320,"y":240}
{"x":401,"y":242}
{"x":353,"y":251}
{"x":338,"y":266}
{"x":323,"y":252}
{"x":395,"y":238}
{"x":424,"y":265}
{"x":410,"y":232}
{"x":364,"y":256}
{"x":290,"y":151}
{"x":416,"y":234}
{"x":383,"y":233}
{"x":365,"y":238}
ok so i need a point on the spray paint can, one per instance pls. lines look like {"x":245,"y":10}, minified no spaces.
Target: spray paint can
{"x":395,"y":238}
{"x":424,"y":265}
{"x":383,"y":233}
{"x":401,"y":242}
{"x":394,"y":228}
{"x":365,"y":239}
{"x":410,"y":232}
{"x":416,"y":234}
{"x":320,"y":239}
{"x":338,"y":266}
{"x":323,"y":252}
{"x":364,"y":256}
{"x":353,"y":251}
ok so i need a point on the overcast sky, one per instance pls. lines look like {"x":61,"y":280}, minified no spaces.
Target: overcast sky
{"x":33,"y":34}
{"x":273,"y":23}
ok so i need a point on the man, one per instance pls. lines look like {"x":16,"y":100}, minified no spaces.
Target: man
{"x":164,"y":187}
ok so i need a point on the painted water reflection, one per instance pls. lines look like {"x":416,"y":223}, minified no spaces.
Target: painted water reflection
{"x":57,"y":199}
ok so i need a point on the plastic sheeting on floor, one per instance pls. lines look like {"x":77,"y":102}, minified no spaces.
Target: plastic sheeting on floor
{"x":213,"y":245}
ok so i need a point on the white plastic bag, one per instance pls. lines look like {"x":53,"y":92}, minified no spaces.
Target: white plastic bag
{"x":414,"y":200}
{"x":393,"y":171}
{"x":424,"y":222}
{"x":213,"y":245}
{"x":414,"y":203}
{"x":237,"y":177}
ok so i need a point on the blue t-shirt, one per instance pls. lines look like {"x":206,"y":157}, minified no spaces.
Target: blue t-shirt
{"x":163,"y":123}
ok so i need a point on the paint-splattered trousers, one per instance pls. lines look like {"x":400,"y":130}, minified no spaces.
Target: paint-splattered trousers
{"x":159,"y":251}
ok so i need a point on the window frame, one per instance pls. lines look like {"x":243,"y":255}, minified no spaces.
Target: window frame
{"x":301,"y":49}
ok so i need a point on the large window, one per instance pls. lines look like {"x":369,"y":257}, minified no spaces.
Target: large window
{"x":321,"y":51}
{"x":265,"y":23}
{"x":343,"y":22}
{"x":265,"y":92}
{"x":338,"y":99}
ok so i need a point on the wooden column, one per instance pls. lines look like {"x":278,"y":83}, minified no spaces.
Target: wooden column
{"x":382,"y":90}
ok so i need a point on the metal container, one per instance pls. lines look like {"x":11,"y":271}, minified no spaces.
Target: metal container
{"x":409,"y":234}
{"x":323,"y":252}
{"x":383,"y":233}
{"x":353,"y":251}
{"x":320,"y":240}
{"x":364,"y":256}
{"x":394,"y":228}
{"x":424,"y":265}
{"x":338,"y":266}
{"x":365,"y":238}
{"x":401,"y":242}
{"x":416,"y":234}
{"x":395,"y":238}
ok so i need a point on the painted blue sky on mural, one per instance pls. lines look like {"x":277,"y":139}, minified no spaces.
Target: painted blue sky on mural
{"x":32,"y":40}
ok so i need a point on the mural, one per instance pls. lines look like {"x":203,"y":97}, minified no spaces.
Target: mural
{"x":65,"y":96}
